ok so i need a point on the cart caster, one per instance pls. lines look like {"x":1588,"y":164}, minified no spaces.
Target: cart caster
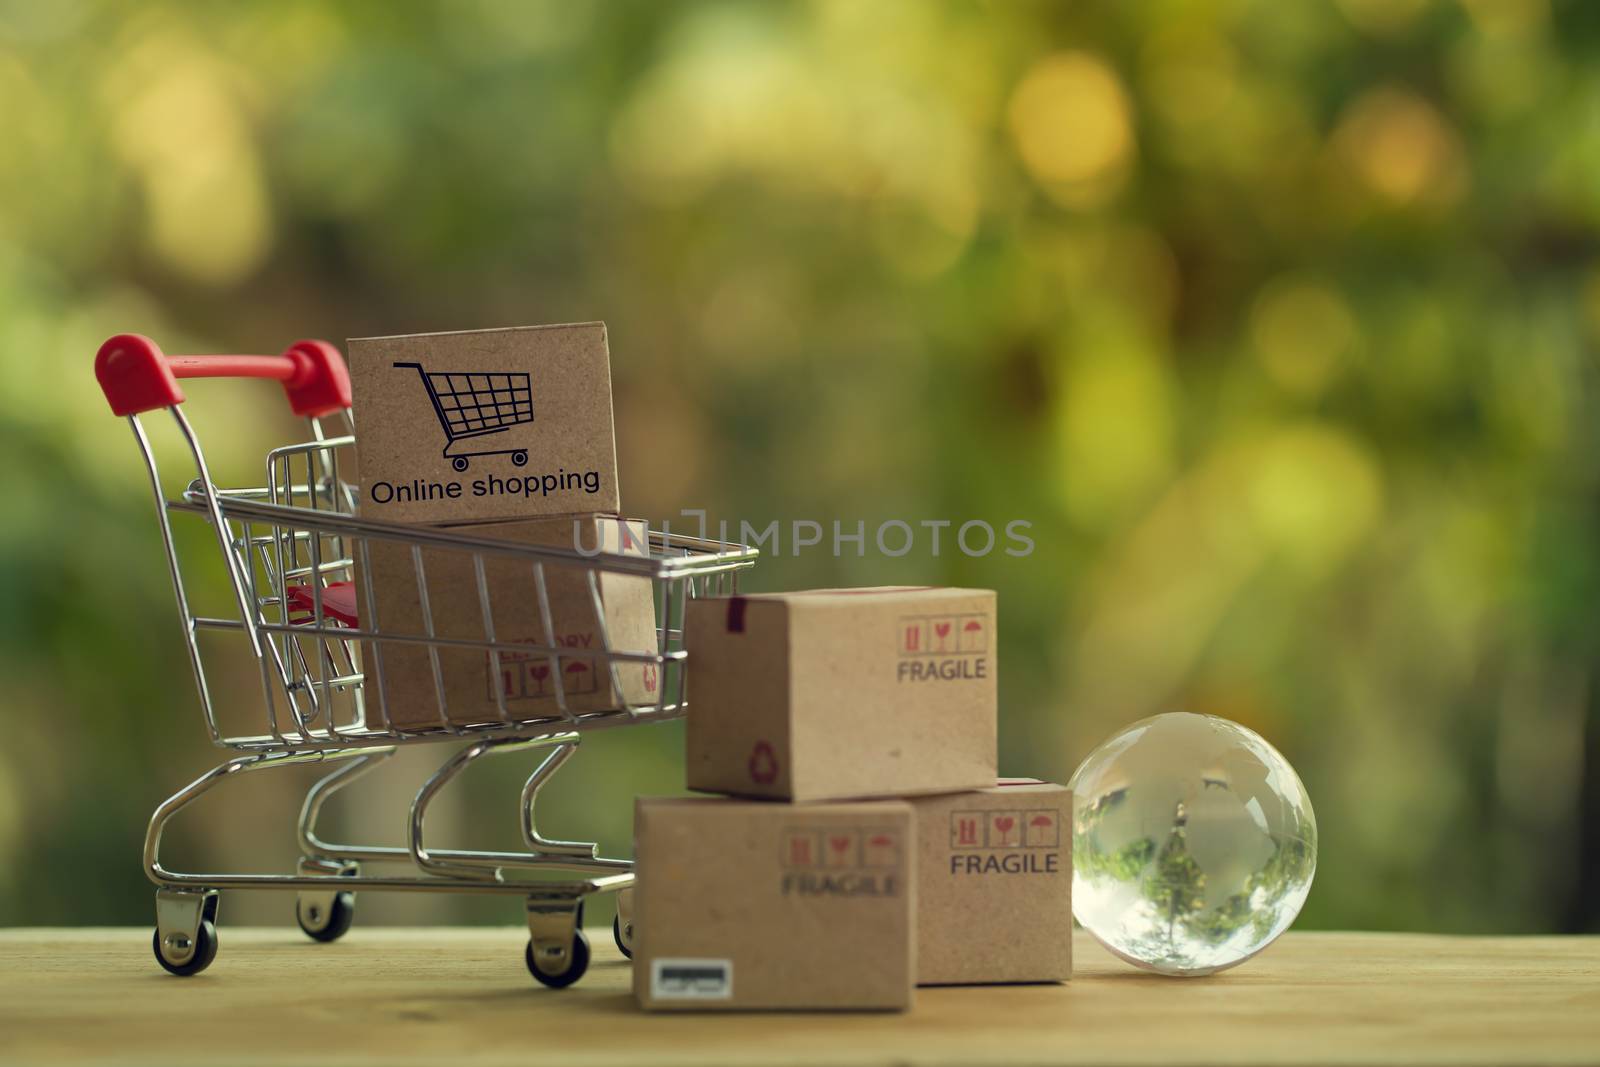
{"x":459,"y":463}
{"x":185,"y":939}
{"x":577,"y":960}
{"x":197,"y":952}
{"x":325,"y":914}
{"x":328,"y":918}
{"x":519,"y":458}
{"x":557,"y":952}
{"x":622,"y":925}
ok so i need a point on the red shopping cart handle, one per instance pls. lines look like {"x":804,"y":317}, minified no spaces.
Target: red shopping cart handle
{"x":136,"y":377}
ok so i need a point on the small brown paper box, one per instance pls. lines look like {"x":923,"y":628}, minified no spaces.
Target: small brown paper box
{"x":486,"y":424}
{"x":742,"y":905}
{"x":842,"y":693}
{"x":994,"y":885}
{"x":528,"y":681}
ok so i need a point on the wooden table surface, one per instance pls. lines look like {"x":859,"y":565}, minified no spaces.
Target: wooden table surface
{"x":402,"y":996}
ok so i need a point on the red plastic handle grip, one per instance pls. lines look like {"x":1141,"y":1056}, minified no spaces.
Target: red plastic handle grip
{"x":136,"y":377}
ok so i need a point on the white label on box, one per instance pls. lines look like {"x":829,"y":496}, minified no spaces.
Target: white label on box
{"x":685,"y":979}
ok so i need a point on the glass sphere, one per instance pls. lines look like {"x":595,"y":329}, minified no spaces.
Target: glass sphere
{"x":1193,"y":844}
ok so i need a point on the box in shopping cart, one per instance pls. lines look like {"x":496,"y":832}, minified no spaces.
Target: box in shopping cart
{"x":842,"y":693}
{"x":994,"y":884}
{"x":753,"y":905}
{"x":485,"y":424}
{"x":561,"y":614}
{"x":294,"y":553}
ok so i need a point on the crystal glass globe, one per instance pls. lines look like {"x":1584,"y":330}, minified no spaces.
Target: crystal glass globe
{"x":1193,"y":844}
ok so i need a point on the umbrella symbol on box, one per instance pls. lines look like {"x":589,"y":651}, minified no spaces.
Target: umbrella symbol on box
{"x":1043,"y":830}
{"x":880,"y":850}
{"x":974,"y":636}
{"x":580,"y":679}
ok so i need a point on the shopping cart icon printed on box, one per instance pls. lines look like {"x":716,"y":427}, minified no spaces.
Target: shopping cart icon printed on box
{"x":476,"y":404}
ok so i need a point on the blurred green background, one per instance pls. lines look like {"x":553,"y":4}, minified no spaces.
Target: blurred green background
{"x":1276,"y":320}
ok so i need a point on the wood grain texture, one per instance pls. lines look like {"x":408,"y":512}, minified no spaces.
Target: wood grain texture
{"x":411,"y":996}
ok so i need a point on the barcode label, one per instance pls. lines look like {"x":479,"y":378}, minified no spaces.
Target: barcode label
{"x":691,"y":979}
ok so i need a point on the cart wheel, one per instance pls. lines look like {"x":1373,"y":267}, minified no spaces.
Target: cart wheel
{"x":616,"y":932}
{"x":577,"y":963}
{"x":329,"y":925}
{"x":459,"y":463}
{"x":519,"y":458}
{"x":205,"y":950}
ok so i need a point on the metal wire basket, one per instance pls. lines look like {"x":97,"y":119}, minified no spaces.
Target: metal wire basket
{"x":297,"y":560}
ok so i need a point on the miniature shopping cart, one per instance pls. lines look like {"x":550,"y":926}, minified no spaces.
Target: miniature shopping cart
{"x":292,"y":557}
{"x":474,"y":405}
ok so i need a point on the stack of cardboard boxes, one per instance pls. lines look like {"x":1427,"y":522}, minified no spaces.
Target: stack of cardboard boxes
{"x":449,"y":422}
{"x":865,"y":844}
{"x":817,"y":891}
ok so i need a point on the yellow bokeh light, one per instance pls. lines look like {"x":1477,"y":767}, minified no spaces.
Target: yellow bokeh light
{"x":1508,"y":18}
{"x":178,"y":121}
{"x":1384,"y":18}
{"x":1073,"y":127}
{"x":1191,"y":74}
{"x":1401,"y":149}
{"x":1301,"y":329}
{"x":1316,"y":492}
{"x":1589,"y":302}
{"x":1116,"y":426}
{"x":1302,"y":495}
{"x":735,"y":98}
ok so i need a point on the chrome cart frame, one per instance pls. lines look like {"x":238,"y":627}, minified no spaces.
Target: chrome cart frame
{"x":295,"y":555}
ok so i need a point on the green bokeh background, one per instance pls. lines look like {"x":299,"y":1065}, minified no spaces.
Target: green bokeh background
{"x":1277,"y":321}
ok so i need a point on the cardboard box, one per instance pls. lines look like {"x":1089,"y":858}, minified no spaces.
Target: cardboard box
{"x":842,"y":693}
{"x":994,"y":884}
{"x":488,"y":424}
{"x":744,"y":904}
{"x":528,"y":681}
